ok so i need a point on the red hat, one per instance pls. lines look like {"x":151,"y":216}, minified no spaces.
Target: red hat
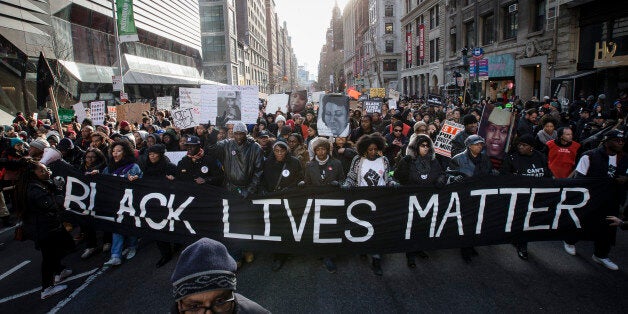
{"x":124,"y":124}
{"x":39,"y":123}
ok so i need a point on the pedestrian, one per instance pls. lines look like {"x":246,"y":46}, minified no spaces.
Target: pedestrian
{"x":470,"y":127}
{"x":39,"y":204}
{"x":204,"y":279}
{"x":562,"y":153}
{"x":122,"y":163}
{"x":93,"y":163}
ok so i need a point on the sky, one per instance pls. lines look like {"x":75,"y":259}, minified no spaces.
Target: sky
{"x":307,"y":21}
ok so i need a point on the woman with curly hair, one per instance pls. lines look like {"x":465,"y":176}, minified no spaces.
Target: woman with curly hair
{"x":370,"y":168}
{"x":122,"y":163}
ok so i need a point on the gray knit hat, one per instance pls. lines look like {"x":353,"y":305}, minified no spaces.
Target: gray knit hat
{"x":240,"y":127}
{"x":203,"y":266}
{"x":39,"y":143}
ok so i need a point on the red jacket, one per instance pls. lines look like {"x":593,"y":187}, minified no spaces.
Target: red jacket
{"x":562,"y":159}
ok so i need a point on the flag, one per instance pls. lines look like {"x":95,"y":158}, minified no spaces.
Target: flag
{"x":126,"y":22}
{"x":45,"y":79}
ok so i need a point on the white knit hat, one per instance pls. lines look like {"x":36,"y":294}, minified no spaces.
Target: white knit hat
{"x":240,"y":127}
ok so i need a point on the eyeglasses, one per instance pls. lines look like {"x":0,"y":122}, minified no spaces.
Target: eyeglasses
{"x":218,"y":306}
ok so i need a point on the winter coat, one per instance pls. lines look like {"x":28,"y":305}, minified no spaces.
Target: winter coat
{"x":280,"y":175}
{"x":161,"y":169}
{"x":416,"y":170}
{"x":353,"y":177}
{"x":465,"y":164}
{"x":242,"y":164}
{"x":534,"y":165}
{"x":301,"y":154}
{"x":41,"y":217}
{"x":206,"y":167}
{"x":318,"y":175}
{"x":457,"y":143}
{"x":562,"y":159}
{"x":345,"y":158}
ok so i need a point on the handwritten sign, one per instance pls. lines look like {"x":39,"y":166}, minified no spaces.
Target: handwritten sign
{"x":442,"y":145}
{"x":246,"y":99}
{"x":184,"y":118}
{"x":79,"y":110}
{"x":377,"y":92}
{"x":373,"y":106}
{"x":132,"y":112}
{"x":98,"y":112}
{"x":189,"y":97}
{"x":164,"y":103}
{"x":111,"y":111}
{"x":393,"y":94}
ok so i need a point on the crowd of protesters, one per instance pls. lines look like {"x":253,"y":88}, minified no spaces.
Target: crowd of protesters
{"x":284,"y":150}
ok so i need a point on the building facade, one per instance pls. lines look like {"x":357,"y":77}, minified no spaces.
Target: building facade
{"x":383,"y":54}
{"x":423,"y":29}
{"x":251,"y":25}
{"x":219,"y":40}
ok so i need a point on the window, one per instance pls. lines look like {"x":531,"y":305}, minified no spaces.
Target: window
{"x":212,"y":18}
{"x":488,"y":33}
{"x":388,"y":28}
{"x":452,"y":42}
{"x":434,"y":50}
{"x":418,"y":53}
{"x":390,"y":46}
{"x":434,"y":17}
{"x":390,"y":65}
{"x":469,"y":34}
{"x":510,"y":23}
{"x":214,"y":48}
{"x":388,"y":10}
{"x":538,"y":18}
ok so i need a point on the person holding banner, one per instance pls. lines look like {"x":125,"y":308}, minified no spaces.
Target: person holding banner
{"x":370,"y":168}
{"x":122,"y":164}
{"x":419,"y":167}
{"x":197,"y":166}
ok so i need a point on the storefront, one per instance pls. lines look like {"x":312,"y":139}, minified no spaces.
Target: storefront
{"x":501,"y":73}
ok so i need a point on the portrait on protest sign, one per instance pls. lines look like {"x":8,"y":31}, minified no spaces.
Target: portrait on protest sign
{"x":496,"y":127}
{"x":298,"y":100}
{"x":229,"y":106}
{"x":333,"y":116}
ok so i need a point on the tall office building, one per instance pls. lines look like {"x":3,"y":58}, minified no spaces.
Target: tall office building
{"x":251,"y":26}
{"x":219,"y":39}
{"x":78,"y":37}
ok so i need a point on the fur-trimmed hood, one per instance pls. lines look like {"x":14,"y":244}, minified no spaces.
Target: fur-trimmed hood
{"x":411,"y":150}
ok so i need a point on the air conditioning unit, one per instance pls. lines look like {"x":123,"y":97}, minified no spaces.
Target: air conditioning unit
{"x":513,"y":8}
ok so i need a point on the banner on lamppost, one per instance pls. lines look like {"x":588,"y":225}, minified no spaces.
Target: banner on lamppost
{"x":409,"y":48}
{"x":422,"y":41}
{"x":126,"y":22}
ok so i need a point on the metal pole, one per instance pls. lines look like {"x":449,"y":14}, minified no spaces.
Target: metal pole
{"x":119,"y":54}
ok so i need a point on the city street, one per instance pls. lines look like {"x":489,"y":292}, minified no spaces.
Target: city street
{"x":496,"y":281}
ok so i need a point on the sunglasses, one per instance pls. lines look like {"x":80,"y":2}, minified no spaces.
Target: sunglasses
{"x":397,"y":130}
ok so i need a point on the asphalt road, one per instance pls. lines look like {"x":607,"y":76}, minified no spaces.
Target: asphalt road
{"x":496,"y":281}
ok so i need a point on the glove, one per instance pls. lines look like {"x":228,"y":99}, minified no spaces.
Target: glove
{"x":59,"y":182}
{"x":301,"y":184}
{"x":334,"y":183}
{"x":394,"y":184}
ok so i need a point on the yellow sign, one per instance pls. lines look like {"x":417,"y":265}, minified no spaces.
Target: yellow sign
{"x":377,"y":92}
{"x":605,"y":56}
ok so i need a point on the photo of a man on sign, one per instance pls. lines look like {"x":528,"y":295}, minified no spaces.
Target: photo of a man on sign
{"x":229,"y":104}
{"x":333,"y":118}
{"x":496,"y":127}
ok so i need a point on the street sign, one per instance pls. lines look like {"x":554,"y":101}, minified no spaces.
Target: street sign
{"x":117,"y":82}
{"x":483,"y":69}
{"x":478,"y":53}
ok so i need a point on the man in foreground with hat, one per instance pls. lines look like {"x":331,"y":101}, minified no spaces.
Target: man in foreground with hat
{"x":198,"y":167}
{"x":204,"y":279}
{"x":606,"y":161}
{"x":470,"y":123}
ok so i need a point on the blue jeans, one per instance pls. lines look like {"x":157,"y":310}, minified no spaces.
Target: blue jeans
{"x":118,"y":244}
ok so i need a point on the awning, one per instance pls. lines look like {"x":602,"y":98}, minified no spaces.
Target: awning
{"x":88,"y":73}
{"x":575,"y":75}
{"x":148,"y":71}
{"x":133,"y":77}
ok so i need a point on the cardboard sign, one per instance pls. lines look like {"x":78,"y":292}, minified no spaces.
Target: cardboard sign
{"x":371,"y":106}
{"x":164,"y":103}
{"x":442,"y":145}
{"x":184,"y":118}
{"x":377,"y":92}
{"x":132,"y":112}
{"x":111,"y":111}
{"x":98,"y":112}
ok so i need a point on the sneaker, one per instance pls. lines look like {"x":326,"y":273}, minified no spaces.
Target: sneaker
{"x":52,"y":290}
{"x":606,"y":262}
{"x":62,"y":275}
{"x":88,"y":252}
{"x":114,"y":261}
{"x":377,"y":267}
{"x":125,"y":252}
{"x":569,"y":248}
{"x":106,"y":247}
{"x":329,"y":265}
{"x":130,"y":253}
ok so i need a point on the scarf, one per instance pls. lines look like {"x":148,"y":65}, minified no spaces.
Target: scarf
{"x":198,"y":156}
{"x":321,"y":162}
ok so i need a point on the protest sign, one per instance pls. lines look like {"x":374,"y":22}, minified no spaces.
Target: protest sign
{"x":333,"y":117}
{"x":79,"y":110}
{"x":66,"y":115}
{"x":277,"y":102}
{"x":111,"y":111}
{"x":132,"y":112}
{"x":184,"y":118}
{"x":478,"y":211}
{"x":442,"y":145}
{"x":393,"y":94}
{"x":392,"y":104}
{"x":189,"y":97}
{"x":165,"y":103}
{"x":497,"y":127}
{"x":97,"y":110}
{"x":222,"y":104}
{"x":176,"y":156}
{"x":377,"y":93}
{"x":316,"y":96}
{"x":371,"y":106}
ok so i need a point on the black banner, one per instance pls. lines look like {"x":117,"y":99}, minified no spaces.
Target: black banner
{"x":329,"y":220}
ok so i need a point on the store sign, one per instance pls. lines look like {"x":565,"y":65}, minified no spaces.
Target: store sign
{"x":409,"y":48}
{"x":422,"y":41}
{"x":605,"y":55}
{"x":117,"y":83}
{"x":501,"y":66}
